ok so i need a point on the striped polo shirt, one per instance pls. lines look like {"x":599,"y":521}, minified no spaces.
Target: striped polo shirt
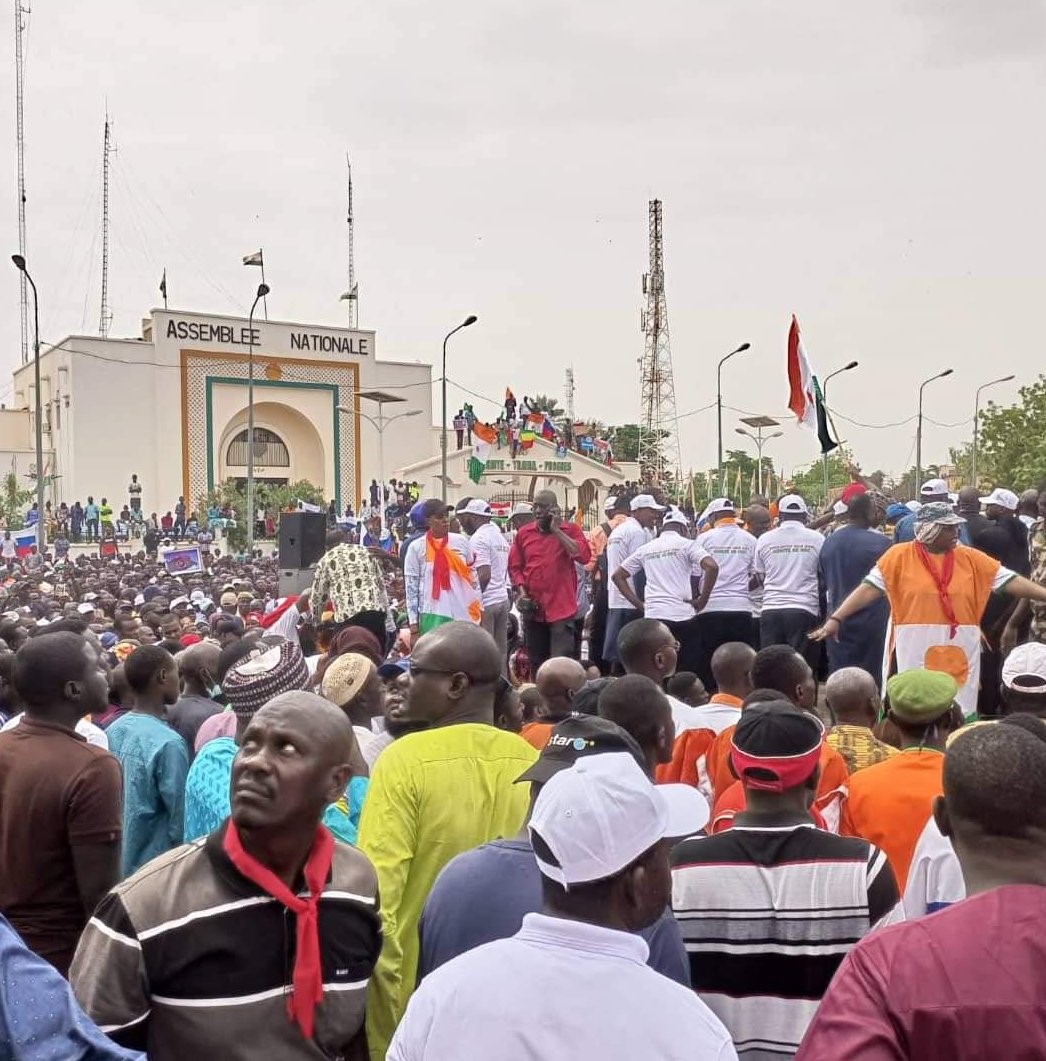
{"x":189,"y":960}
{"x":767,"y":915}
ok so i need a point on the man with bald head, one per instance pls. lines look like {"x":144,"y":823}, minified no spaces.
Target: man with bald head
{"x":854,"y":707}
{"x":434,"y":794}
{"x":224,"y":988}
{"x":558,"y":681}
{"x":197,"y":667}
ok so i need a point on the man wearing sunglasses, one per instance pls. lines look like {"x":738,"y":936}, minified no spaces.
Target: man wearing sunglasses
{"x":434,"y":794}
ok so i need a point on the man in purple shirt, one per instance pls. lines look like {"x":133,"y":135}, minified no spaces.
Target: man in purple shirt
{"x":968,"y":983}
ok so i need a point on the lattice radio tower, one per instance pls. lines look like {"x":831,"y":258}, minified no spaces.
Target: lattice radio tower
{"x":105,"y":316}
{"x":658,"y":434}
{"x":352,"y":295}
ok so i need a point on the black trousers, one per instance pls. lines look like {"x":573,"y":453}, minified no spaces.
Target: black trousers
{"x":691,"y":653}
{"x":545,"y":640}
{"x":719,"y":628}
{"x":789,"y":626}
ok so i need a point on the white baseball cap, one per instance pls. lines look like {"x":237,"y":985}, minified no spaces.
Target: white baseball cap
{"x":1003,"y":498}
{"x":524,"y":508}
{"x":85,"y":609}
{"x":717,"y":505}
{"x":1024,"y":669}
{"x":676,"y":515}
{"x":936,"y":487}
{"x":610,"y":503}
{"x":792,"y":503}
{"x":603,"y":813}
{"x":840,"y":508}
{"x":477,"y":507}
{"x":645,"y":501}
{"x":913,"y":506}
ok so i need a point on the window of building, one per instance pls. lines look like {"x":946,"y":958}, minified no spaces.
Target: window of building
{"x":269,"y":450}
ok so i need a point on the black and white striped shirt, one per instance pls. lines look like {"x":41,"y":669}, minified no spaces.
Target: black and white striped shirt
{"x":189,"y":960}
{"x":767,"y":915}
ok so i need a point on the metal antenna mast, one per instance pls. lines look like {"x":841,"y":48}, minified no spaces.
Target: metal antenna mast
{"x":570,"y":394}
{"x":106,"y":317}
{"x":352,"y":295}
{"x":658,"y":432}
{"x":23,"y":301}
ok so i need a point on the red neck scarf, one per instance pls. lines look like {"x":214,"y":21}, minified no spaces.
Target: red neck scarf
{"x":942,"y":580}
{"x":440,"y":565}
{"x":307,"y":979}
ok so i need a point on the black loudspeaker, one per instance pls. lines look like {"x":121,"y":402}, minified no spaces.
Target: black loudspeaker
{"x":303,"y":536}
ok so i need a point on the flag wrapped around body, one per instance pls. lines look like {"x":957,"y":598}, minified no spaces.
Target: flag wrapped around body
{"x":449,"y":588}
{"x":484,"y":438}
{"x":805,"y":398}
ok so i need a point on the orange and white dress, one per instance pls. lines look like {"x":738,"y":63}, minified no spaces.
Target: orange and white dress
{"x":922,"y":588}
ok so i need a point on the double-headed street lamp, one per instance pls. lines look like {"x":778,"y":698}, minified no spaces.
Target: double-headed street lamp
{"x":41,"y":530}
{"x":977,"y":418}
{"x":467,"y":322}
{"x":919,"y":428}
{"x":380,"y":422}
{"x":263,"y":290}
{"x":760,"y":440}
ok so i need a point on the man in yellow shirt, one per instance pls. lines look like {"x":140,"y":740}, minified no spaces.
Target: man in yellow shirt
{"x":434,"y":794}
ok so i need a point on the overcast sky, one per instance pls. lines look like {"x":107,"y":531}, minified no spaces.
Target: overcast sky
{"x":875,"y":167}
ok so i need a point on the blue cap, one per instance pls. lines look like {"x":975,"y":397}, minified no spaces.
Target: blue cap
{"x":897,"y":511}
{"x":394,"y":668}
{"x":416,"y":516}
{"x":108,"y":639}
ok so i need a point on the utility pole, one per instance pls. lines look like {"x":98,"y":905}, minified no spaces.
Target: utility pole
{"x":658,"y":428}
{"x":105,"y":318}
{"x":352,"y":294}
{"x":23,"y":251}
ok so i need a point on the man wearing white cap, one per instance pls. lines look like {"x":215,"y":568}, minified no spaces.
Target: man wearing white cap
{"x":578,"y":984}
{"x":933,"y":491}
{"x":786,"y":562}
{"x":728,"y":614}
{"x":623,"y":541}
{"x":490,"y":561}
{"x":680,"y":576}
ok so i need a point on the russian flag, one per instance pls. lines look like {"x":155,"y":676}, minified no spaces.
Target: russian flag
{"x":24,"y":540}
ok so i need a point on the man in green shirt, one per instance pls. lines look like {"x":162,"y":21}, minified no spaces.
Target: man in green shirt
{"x":434,"y":794}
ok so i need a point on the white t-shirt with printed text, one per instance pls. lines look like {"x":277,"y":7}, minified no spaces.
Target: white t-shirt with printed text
{"x":622,"y":543}
{"x":491,"y":548}
{"x":733,"y":549}
{"x":669,"y":562}
{"x":787,"y":558}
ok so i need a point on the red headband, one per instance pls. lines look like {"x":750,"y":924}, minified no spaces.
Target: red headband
{"x":790,"y":770}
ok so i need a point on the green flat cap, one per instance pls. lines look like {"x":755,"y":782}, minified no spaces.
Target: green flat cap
{"x":919,"y":696}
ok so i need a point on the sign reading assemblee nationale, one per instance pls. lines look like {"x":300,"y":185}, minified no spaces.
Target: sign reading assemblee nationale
{"x":238,"y":335}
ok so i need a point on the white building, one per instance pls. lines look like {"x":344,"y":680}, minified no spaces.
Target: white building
{"x":171,"y":407}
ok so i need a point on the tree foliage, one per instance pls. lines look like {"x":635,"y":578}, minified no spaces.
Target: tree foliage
{"x":272,"y":497}
{"x":13,"y":501}
{"x":1012,"y":451}
{"x":548,"y":405}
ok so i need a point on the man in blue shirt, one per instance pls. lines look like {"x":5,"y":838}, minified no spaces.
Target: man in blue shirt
{"x":91,"y":514}
{"x":154,"y":759}
{"x":482,"y":895}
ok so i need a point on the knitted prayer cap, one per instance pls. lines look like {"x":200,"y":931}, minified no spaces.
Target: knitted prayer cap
{"x":345,"y":677}
{"x":254,"y":681}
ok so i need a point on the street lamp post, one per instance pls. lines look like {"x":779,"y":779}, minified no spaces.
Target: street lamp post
{"x":380,"y":423}
{"x":919,"y":427}
{"x":719,"y":405}
{"x":760,"y":440}
{"x":976,"y":421}
{"x":824,"y":399}
{"x":41,"y":530}
{"x":467,"y":322}
{"x":263,"y":290}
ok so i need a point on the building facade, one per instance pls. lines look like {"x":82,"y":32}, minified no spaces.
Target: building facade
{"x":172,"y":408}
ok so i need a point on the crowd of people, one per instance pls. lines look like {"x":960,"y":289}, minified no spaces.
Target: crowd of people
{"x":728,"y":784}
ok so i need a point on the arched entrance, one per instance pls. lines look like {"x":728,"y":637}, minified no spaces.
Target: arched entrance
{"x":287,"y":447}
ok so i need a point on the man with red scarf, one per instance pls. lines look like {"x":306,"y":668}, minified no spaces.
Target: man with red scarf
{"x":260,"y":940}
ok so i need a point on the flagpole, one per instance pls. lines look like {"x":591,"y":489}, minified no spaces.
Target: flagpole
{"x":265,"y":300}
{"x":163,"y":286}
{"x":824,"y":401}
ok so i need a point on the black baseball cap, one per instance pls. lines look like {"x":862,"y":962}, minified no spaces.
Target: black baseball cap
{"x":579,"y":736}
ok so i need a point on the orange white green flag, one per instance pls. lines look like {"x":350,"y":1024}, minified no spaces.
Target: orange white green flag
{"x":483,"y":439}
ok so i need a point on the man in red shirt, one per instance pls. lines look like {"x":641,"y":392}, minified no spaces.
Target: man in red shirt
{"x":542,"y":566}
{"x":967,"y":983}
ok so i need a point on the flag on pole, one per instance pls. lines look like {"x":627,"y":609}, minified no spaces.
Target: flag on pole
{"x":484,"y":437}
{"x":163,"y":287}
{"x":254,"y":259}
{"x":805,"y":399}
{"x":548,"y":429}
{"x":526,"y":438}
{"x":24,"y":541}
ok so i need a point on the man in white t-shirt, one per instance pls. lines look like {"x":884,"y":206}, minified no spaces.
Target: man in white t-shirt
{"x":786,"y":564}
{"x":490,"y":550}
{"x":623,"y":541}
{"x":680,"y":575}
{"x":728,"y":614}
